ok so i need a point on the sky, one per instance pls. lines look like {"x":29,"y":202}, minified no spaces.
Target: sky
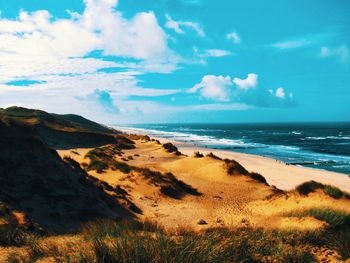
{"x":166,"y":61}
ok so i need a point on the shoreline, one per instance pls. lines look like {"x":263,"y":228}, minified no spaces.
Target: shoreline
{"x":277,"y":173}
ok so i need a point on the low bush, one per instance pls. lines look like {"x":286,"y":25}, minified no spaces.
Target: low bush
{"x":171,"y":148}
{"x":198,"y":155}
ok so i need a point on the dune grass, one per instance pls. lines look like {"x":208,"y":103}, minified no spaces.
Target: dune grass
{"x":258,"y":177}
{"x":234,"y":168}
{"x":337,"y":233}
{"x":312,"y":186}
{"x":171,"y":148}
{"x":211,"y":155}
{"x":102,"y":158}
{"x":108,"y":241}
{"x":133,"y":241}
{"x":198,"y":155}
{"x":334,"y":219}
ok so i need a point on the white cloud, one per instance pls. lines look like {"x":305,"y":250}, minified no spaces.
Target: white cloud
{"x":280,"y":93}
{"x":245,"y":92}
{"x":54,"y":53}
{"x":234,"y":37}
{"x":48,"y":42}
{"x":250,"y":82}
{"x":340,"y":52}
{"x":178,"y":26}
{"x":213,"y":87}
{"x":289,"y":44}
{"x":217,"y":53}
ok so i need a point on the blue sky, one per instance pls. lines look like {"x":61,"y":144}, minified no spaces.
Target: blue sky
{"x":178,"y":60}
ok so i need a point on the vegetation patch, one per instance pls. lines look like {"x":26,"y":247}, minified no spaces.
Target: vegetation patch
{"x":171,"y":148}
{"x":198,"y":155}
{"x":258,"y":177}
{"x":234,"y":168}
{"x":211,"y":155}
{"x":312,"y":186}
{"x":102,"y":158}
{"x":139,"y":137}
{"x":134,"y":241}
{"x":114,"y":241}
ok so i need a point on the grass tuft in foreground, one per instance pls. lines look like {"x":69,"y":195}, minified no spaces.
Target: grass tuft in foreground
{"x":132,"y":241}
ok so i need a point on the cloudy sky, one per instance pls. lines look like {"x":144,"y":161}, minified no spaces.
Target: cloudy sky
{"x":139,"y":61}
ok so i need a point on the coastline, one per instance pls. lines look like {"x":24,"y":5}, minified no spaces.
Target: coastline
{"x":283,"y":176}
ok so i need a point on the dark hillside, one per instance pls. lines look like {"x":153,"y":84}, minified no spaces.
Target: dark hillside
{"x":52,"y":193}
{"x":62,"y":131}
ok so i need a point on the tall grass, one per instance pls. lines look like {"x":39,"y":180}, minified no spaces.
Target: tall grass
{"x":131,"y":241}
{"x":215,"y":245}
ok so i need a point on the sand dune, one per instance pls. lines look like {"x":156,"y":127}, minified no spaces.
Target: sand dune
{"x":225,"y":200}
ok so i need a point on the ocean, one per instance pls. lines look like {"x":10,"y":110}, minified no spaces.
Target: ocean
{"x":318,"y":145}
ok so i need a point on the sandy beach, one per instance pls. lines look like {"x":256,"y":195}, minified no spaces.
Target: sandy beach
{"x":277,"y":173}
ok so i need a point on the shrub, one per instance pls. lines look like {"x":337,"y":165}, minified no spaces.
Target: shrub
{"x":198,"y":155}
{"x":171,"y":148}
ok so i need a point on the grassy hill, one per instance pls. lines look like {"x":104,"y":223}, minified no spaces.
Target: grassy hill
{"x":61,"y":131}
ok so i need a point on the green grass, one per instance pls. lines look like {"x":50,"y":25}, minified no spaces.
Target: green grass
{"x":312,"y":186}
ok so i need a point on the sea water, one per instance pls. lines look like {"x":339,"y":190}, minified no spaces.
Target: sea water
{"x":318,"y":145}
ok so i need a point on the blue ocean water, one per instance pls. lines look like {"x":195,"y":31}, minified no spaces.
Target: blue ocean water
{"x":319,"y":145}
